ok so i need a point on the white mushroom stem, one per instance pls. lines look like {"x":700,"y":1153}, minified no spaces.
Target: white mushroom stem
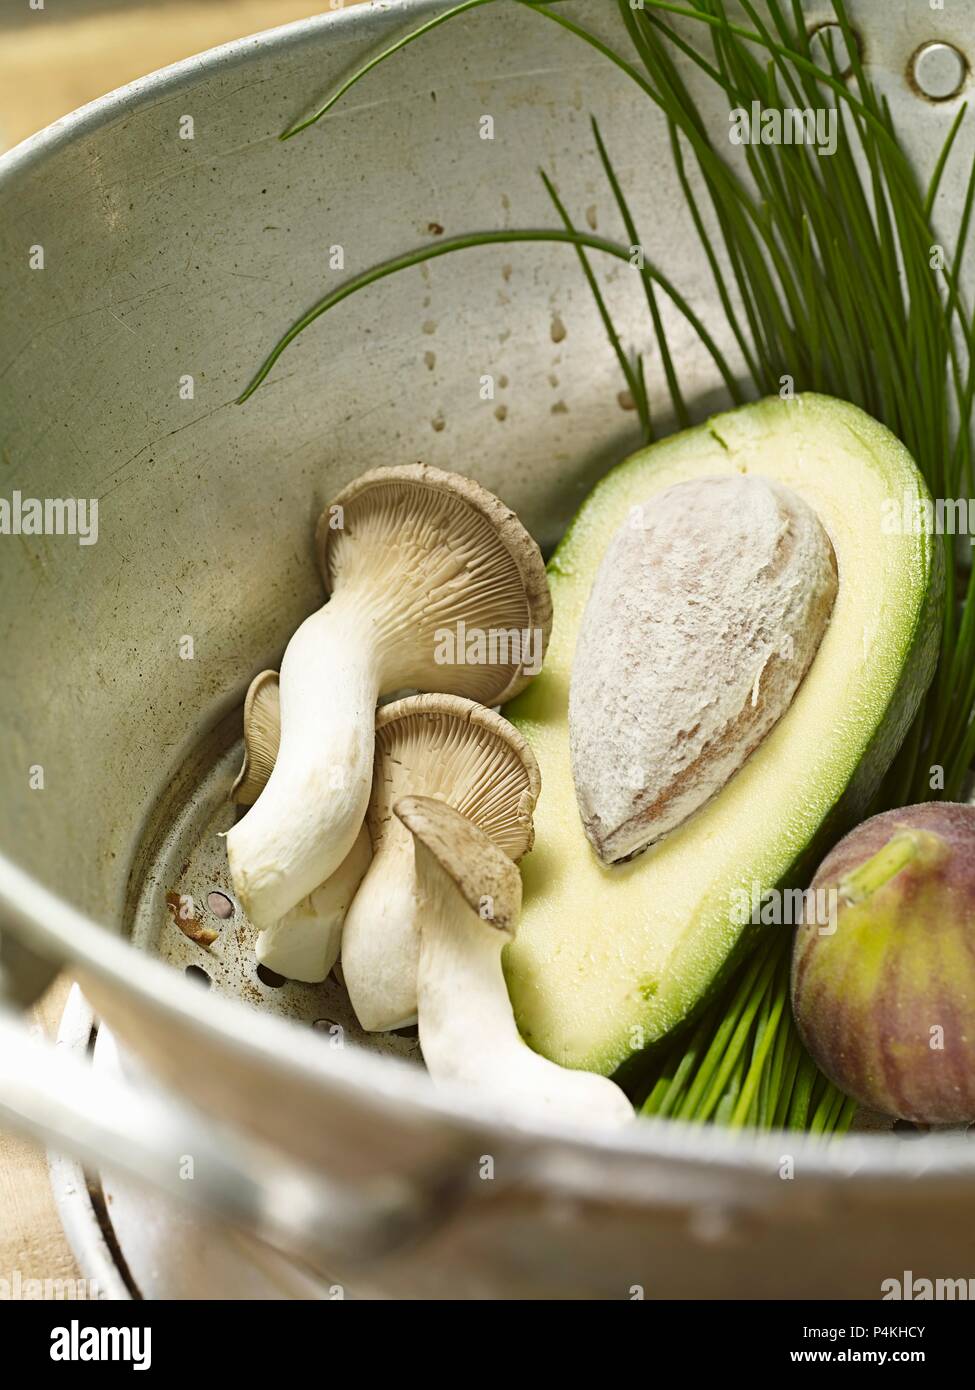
{"x":382,"y":944}
{"x":305,"y":821}
{"x":468,"y":1033}
{"x":304,"y":944}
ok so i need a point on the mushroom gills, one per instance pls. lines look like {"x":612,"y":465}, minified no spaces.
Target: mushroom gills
{"x":262,"y":735}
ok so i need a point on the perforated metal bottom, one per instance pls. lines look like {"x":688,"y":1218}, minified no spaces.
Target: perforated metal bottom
{"x":184,"y":864}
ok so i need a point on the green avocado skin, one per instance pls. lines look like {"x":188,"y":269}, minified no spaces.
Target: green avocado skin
{"x":916,"y":675}
{"x":852,"y":805}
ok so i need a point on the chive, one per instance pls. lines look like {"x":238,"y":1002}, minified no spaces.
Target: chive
{"x":775,"y":1074}
{"x":806,"y":1076}
{"x":723,"y":1034}
{"x":676,"y":396}
{"x":729,"y":1056}
{"x":846,"y":1116}
{"x":629,"y":372}
{"x":729,"y":1099}
{"x":790,"y":1067}
{"x":829,"y":1105}
{"x":680,"y":1064}
{"x":942,"y":160}
{"x":366,"y":68}
{"x":776,"y":1003}
{"x":447,"y":246}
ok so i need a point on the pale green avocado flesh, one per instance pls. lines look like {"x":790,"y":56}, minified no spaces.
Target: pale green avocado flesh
{"x":609,"y":959}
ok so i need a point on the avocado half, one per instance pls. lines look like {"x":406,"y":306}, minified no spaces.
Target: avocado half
{"x":610,"y":959}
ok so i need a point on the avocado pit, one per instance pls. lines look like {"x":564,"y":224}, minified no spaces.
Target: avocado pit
{"x":705,"y":614}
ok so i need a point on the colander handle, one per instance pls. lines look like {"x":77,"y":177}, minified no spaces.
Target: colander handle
{"x":144,"y":1135}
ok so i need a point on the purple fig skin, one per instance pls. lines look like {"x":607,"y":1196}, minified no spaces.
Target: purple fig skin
{"x":870,"y":998}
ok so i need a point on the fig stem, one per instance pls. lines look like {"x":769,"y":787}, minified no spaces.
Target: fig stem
{"x":899,"y":851}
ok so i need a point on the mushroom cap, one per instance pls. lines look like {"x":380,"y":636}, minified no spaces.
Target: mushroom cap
{"x":485,"y":877}
{"x":457,"y":752}
{"x":434,"y":550}
{"x":262,"y":736}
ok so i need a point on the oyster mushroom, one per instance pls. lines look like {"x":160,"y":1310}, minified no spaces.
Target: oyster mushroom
{"x":469,"y":897}
{"x":450,"y":748}
{"x":262,"y":734}
{"x":416,"y":560}
{"x":304,"y":944}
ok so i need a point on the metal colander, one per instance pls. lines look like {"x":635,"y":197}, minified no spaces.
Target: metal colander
{"x":169,"y":266}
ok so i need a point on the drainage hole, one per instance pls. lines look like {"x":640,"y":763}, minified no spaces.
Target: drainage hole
{"x":197,"y":973}
{"x":938,"y":70}
{"x":827,"y":45}
{"x":270,"y":977}
{"x":220,"y":905}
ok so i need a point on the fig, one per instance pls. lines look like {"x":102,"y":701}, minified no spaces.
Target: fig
{"x":884,"y":996}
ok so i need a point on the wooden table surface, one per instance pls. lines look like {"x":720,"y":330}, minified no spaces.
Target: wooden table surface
{"x":31,"y":1239}
{"x":49,"y":65}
